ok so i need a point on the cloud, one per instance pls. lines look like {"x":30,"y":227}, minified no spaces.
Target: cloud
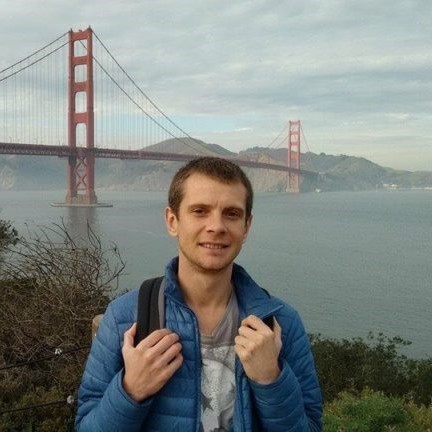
{"x":342,"y":66}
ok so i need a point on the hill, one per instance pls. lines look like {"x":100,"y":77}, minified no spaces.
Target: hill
{"x":345,"y":172}
{"x":339,"y":172}
{"x":187,"y":145}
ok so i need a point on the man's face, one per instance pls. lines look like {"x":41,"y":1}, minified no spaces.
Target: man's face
{"x":211,"y":224}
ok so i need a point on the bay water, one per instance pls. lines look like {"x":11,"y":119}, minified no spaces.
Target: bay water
{"x":349,"y":262}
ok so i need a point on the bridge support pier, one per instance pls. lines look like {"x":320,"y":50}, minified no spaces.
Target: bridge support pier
{"x":293,"y":183}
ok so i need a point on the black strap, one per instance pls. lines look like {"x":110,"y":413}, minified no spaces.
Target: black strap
{"x":148,"y":308}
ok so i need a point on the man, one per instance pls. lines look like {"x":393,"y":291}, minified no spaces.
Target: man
{"x":215,"y":365}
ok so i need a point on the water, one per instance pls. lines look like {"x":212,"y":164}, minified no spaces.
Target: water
{"x":350,"y":263}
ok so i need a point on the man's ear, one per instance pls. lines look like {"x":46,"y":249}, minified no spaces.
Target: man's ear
{"x":171,"y":222}
{"x":247,"y":227}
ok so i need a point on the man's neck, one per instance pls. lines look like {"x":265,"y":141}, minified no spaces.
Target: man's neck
{"x":205,"y":290}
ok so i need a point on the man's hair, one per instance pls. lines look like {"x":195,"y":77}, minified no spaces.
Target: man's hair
{"x":219,"y":169}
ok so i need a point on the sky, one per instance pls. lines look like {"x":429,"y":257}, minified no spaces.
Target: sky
{"x":358,"y":74}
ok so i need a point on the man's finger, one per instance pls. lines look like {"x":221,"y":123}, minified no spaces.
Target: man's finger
{"x":128,"y":338}
{"x":153,"y":338}
{"x":174,"y":365}
{"x":246,"y":332}
{"x":241,"y":351}
{"x":171,"y":353}
{"x":241,"y":341}
{"x":164,"y":344}
{"x":277,"y":329}
{"x":254,"y":323}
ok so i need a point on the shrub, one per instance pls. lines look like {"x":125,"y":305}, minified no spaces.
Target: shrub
{"x":352,"y":365}
{"x":51,"y":287}
{"x":373,"y":412}
{"x":422,"y":416}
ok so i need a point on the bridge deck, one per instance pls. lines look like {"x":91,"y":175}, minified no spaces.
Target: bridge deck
{"x":65,"y":151}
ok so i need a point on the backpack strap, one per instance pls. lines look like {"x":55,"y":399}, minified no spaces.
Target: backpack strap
{"x":148,"y":308}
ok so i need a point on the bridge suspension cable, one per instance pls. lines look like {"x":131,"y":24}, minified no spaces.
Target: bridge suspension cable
{"x":32,"y":63}
{"x":278,"y":137}
{"x":34,"y":53}
{"x":33,"y":97}
{"x":147,"y":132}
{"x":201,"y":148}
{"x":307,"y":155}
{"x":132,"y":99}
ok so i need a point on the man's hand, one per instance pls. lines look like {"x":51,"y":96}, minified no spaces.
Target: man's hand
{"x":258,"y":348}
{"x":150,"y":364}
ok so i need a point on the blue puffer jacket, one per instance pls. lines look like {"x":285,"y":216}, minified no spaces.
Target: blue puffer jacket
{"x":292,"y":403}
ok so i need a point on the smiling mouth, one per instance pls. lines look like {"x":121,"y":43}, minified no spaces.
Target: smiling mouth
{"x":213,"y":245}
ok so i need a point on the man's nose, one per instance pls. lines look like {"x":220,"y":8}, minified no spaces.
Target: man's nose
{"x":216,"y":223}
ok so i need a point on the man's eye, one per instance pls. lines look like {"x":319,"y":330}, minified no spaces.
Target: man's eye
{"x":233,"y":214}
{"x":198,"y":211}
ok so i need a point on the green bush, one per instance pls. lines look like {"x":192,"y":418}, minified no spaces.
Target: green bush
{"x":353,"y":365}
{"x":373,"y":412}
{"x":422,"y":416}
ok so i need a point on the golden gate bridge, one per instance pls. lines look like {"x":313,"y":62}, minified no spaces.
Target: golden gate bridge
{"x":98,"y":112}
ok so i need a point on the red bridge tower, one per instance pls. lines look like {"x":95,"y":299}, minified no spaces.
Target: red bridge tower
{"x":81,"y":167}
{"x":294,"y":156}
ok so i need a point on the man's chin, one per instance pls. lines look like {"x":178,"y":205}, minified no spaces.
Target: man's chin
{"x":208,"y":263}
{"x":214,"y":267}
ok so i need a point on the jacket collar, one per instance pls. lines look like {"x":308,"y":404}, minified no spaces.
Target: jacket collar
{"x":252,"y":299}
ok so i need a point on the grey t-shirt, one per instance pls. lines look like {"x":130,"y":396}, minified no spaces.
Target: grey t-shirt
{"x":218,"y":372}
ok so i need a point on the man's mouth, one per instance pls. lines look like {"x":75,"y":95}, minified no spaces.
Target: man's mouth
{"x":213,"y":245}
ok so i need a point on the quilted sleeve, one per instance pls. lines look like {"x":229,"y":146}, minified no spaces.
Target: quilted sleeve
{"x":103,"y":404}
{"x":292,"y":403}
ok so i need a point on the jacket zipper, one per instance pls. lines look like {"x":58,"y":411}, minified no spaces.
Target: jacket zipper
{"x":239,"y":393}
{"x":199,"y":366}
{"x":199,"y":361}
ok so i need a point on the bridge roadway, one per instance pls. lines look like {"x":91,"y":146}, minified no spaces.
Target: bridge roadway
{"x":65,"y":151}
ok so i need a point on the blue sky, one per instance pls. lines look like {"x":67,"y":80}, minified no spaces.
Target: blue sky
{"x":357,"y":73}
